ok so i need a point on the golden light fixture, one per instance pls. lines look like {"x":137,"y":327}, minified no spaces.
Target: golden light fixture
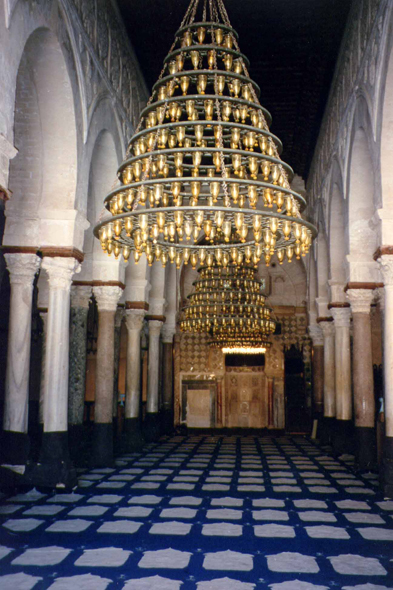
{"x":229,"y":305}
{"x":202,"y":180}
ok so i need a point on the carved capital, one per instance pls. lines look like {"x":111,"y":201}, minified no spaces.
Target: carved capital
{"x":316,"y":335}
{"x":360,"y":300}
{"x":342,"y":316}
{"x":380,"y":297}
{"x":327,"y":328}
{"x":168,"y":331}
{"x":60,"y":272}
{"x":80,"y":296}
{"x":107,"y":297}
{"x":119,"y":316}
{"x":22,"y":268}
{"x":155,"y":328}
{"x":134,"y":319}
{"x":386,"y":266}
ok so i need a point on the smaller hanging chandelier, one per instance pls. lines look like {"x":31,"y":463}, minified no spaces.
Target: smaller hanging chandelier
{"x":202,"y":180}
{"x":229,"y":305}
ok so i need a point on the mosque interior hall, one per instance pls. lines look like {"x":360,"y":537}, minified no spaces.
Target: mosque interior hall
{"x":196,"y":287}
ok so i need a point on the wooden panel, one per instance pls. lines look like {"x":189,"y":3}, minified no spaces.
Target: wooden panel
{"x":199,"y":408}
{"x":246,"y":399}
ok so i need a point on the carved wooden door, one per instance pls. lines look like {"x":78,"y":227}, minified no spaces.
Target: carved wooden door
{"x":246,"y":399}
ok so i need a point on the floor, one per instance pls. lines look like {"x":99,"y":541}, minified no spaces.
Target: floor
{"x":204,"y":513}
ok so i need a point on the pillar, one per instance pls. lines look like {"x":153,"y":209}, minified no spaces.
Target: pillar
{"x":116,"y":365}
{"x":15,"y":444}
{"x":363,"y":378}
{"x":44,"y":318}
{"x":107,"y":298}
{"x":317,"y":369}
{"x":152,"y":427}
{"x":80,"y":298}
{"x":343,"y":435}
{"x":54,"y":467}
{"x":386,"y":266}
{"x":329,"y":385}
{"x":168,"y":332}
{"x":133,"y":437}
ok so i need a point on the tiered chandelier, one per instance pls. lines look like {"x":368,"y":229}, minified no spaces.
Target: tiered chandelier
{"x":229,"y":305}
{"x":202,"y":181}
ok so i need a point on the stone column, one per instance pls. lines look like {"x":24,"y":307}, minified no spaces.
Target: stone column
{"x":386,"y":266}
{"x":317,"y":369}
{"x":15,"y":444}
{"x":152,"y":427}
{"x":329,"y":386}
{"x":363,"y":378}
{"x":107,"y":298}
{"x":118,"y":320}
{"x":54,"y":466}
{"x":44,"y":318}
{"x":343,"y":436}
{"x":133,"y":437}
{"x":80,"y":298}
{"x":168,"y":332}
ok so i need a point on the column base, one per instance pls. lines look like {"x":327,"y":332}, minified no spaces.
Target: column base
{"x":14,"y":448}
{"x":132,"y":438}
{"x":78,"y":444}
{"x":325,"y":431}
{"x":151,"y":427}
{"x":102,"y":452}
{"x":366,"y":448}
{"x":387,"y":468}
{"x":166,"y":422}
{"x":343,"y":437}
{"x":54,"y":468}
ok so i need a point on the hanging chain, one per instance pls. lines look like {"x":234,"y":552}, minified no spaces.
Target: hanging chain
{"x":204,"y":11}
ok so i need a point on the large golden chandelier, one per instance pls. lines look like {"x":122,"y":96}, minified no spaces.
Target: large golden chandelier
{"x":229,"y":305}
{"x":202,"y":181}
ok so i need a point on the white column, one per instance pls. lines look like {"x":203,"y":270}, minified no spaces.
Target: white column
{"x":60,"y":272}
{"x":22,"y":269}
{"x":153,"y":367}
{"x":329,"y":391}
{"x":386,"y":266}
{"x":134,"y":323}
{"x":342,"y":317}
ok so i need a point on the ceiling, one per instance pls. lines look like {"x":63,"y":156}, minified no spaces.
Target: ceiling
{"x":292,"y":46}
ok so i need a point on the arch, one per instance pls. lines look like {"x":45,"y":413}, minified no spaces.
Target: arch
{"x":43,"y":175}
{"x":386,"y":152}
{"x":337,"y":239}
{"x":102,"y":169}
{"x":362,"y":236}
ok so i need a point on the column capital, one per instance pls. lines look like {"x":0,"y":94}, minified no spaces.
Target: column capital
{"x":80,"y":296}
{"x":380,"y":297}
{"x":60,"y":271}
{"x":341,"y":316}
{"x":134,"y":319}
{"x":386,"y":267}
{"x":107,"y":297}
{"x":360,"y":300}
{"x":316,"y":334}
{"x":327,"y":328}
{"x":119,"y":315}
{"x":155,"y":327}
{"x":168,"y":331}
{"x":22,"y":267}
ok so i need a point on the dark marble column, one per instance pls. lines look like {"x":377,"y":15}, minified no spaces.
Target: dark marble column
{"x":80,"y":297}
{"x":168,"y":332}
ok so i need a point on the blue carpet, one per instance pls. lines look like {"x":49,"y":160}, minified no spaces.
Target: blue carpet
{"x":204,"y":513}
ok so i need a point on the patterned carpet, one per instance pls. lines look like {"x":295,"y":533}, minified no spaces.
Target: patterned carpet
{"x":204,"y":513}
